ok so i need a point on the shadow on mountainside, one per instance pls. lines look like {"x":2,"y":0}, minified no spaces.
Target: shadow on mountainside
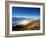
{"x":34,"y":25}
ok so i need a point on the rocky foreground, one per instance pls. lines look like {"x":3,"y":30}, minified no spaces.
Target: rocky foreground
{"x":34,"y":25}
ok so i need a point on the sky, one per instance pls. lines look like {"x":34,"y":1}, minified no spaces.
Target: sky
{"x":25,"y":11}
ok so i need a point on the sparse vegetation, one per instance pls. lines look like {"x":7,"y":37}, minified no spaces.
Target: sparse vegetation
{"x":34,"y":25}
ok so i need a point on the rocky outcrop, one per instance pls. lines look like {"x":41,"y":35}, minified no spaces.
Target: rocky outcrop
{"x":34,"y":25}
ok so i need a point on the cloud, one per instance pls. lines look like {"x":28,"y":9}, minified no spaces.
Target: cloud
{"x":26,"y":16}
{"x":26,"y":21}
{"x":23,"y":22}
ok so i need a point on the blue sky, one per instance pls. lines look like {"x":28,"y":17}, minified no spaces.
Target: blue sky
{"x":25,"y":11}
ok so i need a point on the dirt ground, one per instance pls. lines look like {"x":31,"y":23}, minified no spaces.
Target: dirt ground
{"x":34,"y":25}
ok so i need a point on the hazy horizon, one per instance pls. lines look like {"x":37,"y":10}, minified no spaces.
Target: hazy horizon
{"x":24,"y":15}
